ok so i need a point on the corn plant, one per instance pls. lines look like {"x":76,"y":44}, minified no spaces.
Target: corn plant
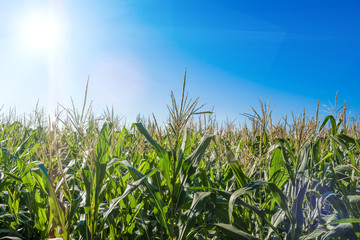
{"x":78,"y":176}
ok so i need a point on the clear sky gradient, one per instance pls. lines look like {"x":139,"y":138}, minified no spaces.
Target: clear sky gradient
{"x":135,"y":52}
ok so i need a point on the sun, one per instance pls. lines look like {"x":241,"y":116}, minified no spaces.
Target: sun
{"x":40,"y":32}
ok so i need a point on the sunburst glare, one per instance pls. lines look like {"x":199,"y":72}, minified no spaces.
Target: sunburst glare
{"x":41,"y":32}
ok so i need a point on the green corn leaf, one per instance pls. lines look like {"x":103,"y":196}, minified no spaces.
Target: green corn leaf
{"x":281,"y":200}
{"x":341,"y":230}
{"x":297,"y":209}
{"x":337,"y":201}
{"x":163,"y":155}
{"x":276,"y":220}
{"x":181,"y":152}
{"x":57,"y":209}
{"x":343,"y":169}
{"x":197,"y":205}
{"x":332,"y":122}
{"x":340,"y":141}
{"x":346,"y":220}
{"x":282,"y":166}
{"x":234,"y":232}
{"x":11,"y":234}
{"x":248,"y":188}
{"x":13,"y":177}
{"x":153,"y":193}
{"x":234,"y":163}
{"x":191,"y":163}
{"x":304,"y":158}
{"x":129,"y":189}
{"x":75,"y":204}
{"x":277,"y":172}
{"x":354,"y":200}
{"x":227,"y":195}
{"x":103,"y":143}
{"x":320,"y":230}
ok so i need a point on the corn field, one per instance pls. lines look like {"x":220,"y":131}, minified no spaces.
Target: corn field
{"x":84,"y":177}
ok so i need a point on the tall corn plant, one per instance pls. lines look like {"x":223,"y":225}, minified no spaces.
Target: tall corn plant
{"x":177,"y":168}
{"x":309,"y":195}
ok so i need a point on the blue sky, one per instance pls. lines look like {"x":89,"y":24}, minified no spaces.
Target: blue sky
{"x":135,"y":52}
